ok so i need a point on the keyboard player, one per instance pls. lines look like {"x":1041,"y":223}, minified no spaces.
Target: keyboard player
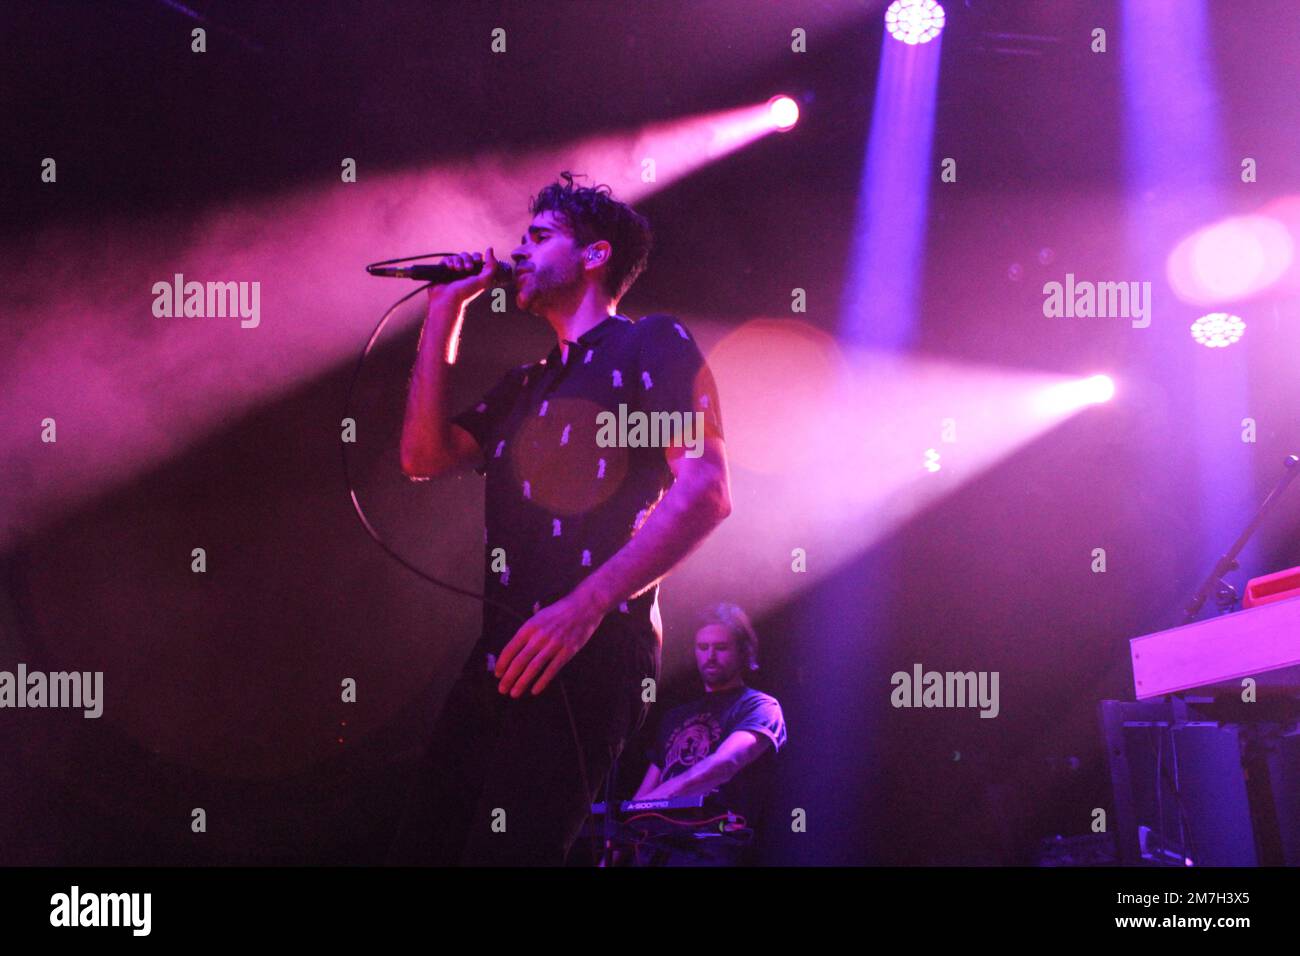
{"x":721,"y":743}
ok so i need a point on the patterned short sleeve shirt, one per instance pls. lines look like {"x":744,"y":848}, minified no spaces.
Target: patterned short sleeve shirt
{"x":562,"y":497}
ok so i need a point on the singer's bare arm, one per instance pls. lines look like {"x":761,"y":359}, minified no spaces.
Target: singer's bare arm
{"x":431,"y":444}
{"x":697,"y":502}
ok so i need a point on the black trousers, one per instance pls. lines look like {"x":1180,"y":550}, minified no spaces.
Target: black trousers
{"x":502,"y":784}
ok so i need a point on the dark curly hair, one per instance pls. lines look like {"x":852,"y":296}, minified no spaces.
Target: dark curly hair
{"x":592,"y":214}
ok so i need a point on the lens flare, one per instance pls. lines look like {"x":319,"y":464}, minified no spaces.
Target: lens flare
{"x":1230,"y":259}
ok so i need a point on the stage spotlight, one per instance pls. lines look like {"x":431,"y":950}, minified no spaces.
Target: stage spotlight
{"x":914,"y":21}
{"x":1218,"y":330}
{"x":1097,"y":389}
{"x":1058,"y":401}
{"x":784,"y":112}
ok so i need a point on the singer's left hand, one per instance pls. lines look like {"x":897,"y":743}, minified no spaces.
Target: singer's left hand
{"x":545,"y":643}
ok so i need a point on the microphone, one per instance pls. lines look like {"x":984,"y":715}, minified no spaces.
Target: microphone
{"x":440,"y":274}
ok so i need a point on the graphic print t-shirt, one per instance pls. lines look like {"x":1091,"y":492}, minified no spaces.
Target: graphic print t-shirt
{"x":689,"y":733}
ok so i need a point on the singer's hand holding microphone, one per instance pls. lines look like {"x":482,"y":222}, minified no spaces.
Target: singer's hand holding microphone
{"x":480,"y":273}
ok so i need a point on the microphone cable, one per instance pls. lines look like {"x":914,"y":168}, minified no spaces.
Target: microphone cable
{"x":365,"y":523}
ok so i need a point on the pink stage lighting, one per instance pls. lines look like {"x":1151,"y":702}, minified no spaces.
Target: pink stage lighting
{"x":784,"y":112}
{"x":1230,"y":260}
{"x":1057,"y":401}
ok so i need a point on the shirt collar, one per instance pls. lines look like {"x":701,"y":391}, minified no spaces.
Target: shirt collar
{"x":590,"y":337}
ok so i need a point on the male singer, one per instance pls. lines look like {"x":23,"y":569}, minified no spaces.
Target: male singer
{"x":578,"y":535}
